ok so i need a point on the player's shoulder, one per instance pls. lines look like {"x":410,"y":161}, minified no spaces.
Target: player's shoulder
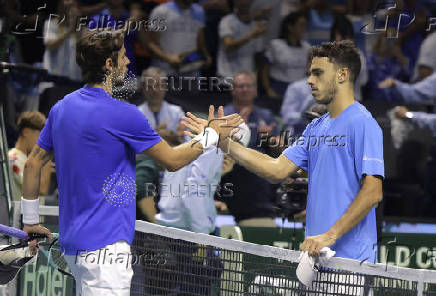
{"x":173,"y":107}
{"x":163,"y":8}
{"x":362,"y":118}
{"x":230,"y":18}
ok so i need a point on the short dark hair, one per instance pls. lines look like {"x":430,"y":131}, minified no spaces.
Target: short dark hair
{"x":343,"y":26}
{"x":290,"y":19}
{"x":31,"y":119}
{"x":94,"y":48}
{"x":342,"y":53}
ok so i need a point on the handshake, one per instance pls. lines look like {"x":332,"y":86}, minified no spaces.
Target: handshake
{"x":216,"y":131}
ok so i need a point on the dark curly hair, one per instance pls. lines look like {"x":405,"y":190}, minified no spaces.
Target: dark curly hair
{"x":94,"y":48}
{"x":342,"y":53}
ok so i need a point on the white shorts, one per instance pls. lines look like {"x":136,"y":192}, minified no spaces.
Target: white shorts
{"x":106,"y":271}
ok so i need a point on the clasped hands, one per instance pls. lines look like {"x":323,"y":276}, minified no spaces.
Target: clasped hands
{"x":225,"y":126}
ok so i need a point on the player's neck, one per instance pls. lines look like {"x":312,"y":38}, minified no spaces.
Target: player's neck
{"x":155,"y":106}
{"x":106,"y":86}
{"x":343,"y":98}
{"x":21,"y":145}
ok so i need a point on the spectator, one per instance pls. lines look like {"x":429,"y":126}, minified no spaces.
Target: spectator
{"x":147,"y":180}
{"x":342,"y":29}
{"x":387,"y":60}
{"x":321,"y":18}
{"x":161,"y":115}
{"x":91,"y":7}
{"x":183,"y":36}
{"x":239,"y":40}
{"x":413,"y":25}
{"x":29,"y":124}
{"x":298,"y":98}
{"x":286,"y":56}
{"x":60,"y":39}
{"x":426,"y":63}
{"x":187,"y":195}
{"x":187,"y":202}
{"x":421,"y":92}
{"x":116,"y":16}
{"x":251,"y":203}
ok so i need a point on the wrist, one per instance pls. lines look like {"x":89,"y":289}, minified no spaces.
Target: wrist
{"x":333,"y":234}
{"x":208,"y":138}
{"x":30,"y":211}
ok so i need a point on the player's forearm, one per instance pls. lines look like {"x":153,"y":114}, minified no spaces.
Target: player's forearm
{"x":31,"y":180}
{"x":184,"y":154}
{"x":366,"y":199}
{"x":148,"y":209}
{"x":45,"y":179}
{"x":258,"y":163}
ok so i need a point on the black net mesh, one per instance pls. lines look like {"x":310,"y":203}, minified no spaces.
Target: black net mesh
{"x":167,"y":266}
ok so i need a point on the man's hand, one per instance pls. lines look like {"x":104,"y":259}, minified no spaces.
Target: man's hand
{"x":259,"y":30}
{"x":37,"y":228}
{"x":223,"y":125}
{"x":400,"y":112}
{"x":314,"y":244}
{"x":387,"y":83}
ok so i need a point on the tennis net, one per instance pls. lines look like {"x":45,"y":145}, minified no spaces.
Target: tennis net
{"x":169,"y":261}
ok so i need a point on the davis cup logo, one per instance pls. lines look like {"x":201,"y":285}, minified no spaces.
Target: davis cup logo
{"x":119,"y":190}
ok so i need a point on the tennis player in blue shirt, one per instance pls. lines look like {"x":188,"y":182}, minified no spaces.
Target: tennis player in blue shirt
{"x":343,"y":154}
{"x":94,"y":138}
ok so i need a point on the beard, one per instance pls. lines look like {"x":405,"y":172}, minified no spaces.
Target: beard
{"x":124,"y":85}
{"x":329,"y":94}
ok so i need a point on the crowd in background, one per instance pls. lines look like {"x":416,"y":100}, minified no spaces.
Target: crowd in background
{"x":262,"y":45}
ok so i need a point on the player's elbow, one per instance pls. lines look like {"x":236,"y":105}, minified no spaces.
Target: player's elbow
{"x":277,"y":177}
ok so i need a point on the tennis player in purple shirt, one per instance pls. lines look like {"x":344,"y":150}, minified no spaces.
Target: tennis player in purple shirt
{"x":94,"y":138}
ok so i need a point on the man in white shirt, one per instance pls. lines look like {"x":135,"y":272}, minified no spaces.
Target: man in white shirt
{"x":183,"y":35}
{"x":162,"y":116}
{"x":239,"y":40}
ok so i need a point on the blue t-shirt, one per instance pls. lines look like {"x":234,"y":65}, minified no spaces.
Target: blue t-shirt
{"x":95,"y":138}
{"x":336,"y":153}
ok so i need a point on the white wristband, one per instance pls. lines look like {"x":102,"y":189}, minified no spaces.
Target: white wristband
{"x":208,"y":138}
{"x":30,"y":210}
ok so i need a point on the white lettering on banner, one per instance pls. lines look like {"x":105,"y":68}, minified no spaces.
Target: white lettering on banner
{"x":402,"y":256}
{"x":43,"y":281}
{"x":428,"y":255}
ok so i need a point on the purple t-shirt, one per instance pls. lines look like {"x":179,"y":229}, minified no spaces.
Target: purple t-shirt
{"x":95,"y":138}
